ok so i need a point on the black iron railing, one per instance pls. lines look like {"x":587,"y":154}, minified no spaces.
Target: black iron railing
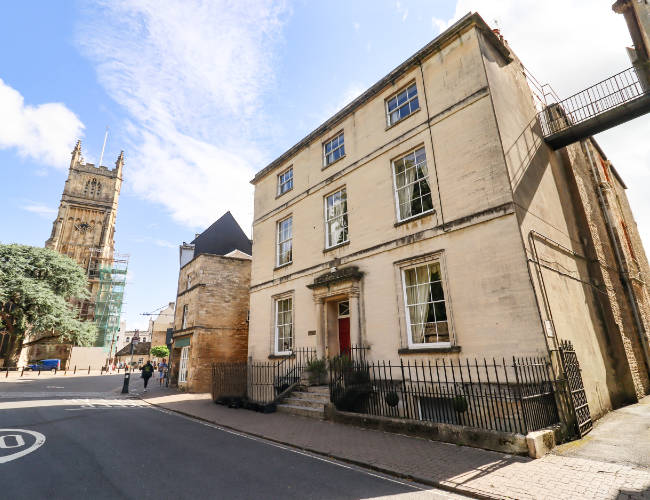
{"x":616,"y":90}
{"x":517,"y":396}
{"x":260,"y":382}
{"x":229,"y":381}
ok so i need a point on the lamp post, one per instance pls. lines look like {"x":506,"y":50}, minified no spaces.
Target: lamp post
{"x":127,"y":374}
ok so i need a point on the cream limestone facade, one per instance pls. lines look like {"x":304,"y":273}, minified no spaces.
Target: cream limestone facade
{"x":495,"y":248}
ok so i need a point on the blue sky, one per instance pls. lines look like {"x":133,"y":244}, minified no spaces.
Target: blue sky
{"x":200,"y":94}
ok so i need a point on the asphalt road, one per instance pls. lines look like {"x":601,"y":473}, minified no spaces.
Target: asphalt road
{"x":98,"y":445}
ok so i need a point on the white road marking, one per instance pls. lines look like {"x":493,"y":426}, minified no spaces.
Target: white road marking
{"x":40,"y":440}
{"x":16,"y":437}
{"x":86,"y":403}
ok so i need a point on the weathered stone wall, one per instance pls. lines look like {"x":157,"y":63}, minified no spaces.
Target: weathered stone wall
{"x":572,"y":264}
{"x":46,"y":350}
{"x":217,"y":318}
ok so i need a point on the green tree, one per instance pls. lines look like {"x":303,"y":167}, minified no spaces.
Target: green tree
{"x":160,"y":351}
{"x":36,"y":287}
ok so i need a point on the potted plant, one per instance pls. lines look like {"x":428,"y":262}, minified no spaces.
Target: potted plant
{"x":392,"y":399}
{"x":317,"y":369}
{"x":460,"y":404}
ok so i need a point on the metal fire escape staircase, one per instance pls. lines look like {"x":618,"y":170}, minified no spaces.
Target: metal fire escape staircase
{"x":608,"y":103}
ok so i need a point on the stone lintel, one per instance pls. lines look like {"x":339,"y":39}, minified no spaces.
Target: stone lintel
{"x":351,"y":273}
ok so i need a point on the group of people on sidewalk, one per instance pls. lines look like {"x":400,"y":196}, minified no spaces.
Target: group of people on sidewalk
{"x":148,"y":370}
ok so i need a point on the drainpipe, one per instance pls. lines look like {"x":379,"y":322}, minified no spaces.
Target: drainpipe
{"x":629,"y":291}
{"x":433,"y":152}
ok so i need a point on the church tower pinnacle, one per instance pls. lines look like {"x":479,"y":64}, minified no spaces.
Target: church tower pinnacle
{"x":84,"y":227}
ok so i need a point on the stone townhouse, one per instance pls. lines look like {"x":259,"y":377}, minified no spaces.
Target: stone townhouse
{"x":141,"y":354}
{"x":429,"y":218}
{"x":211,"y":316}
{"x":158,"y":327}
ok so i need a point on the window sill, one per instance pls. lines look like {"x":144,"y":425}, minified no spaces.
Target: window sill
{"x":282,"y":266}
{"x":335,"y":161}
{"x":282,"y":194}
{"x":336,"y":246}
{"x":282,"y":356}
{"x":414,"y":218}
{"x":445,"y":349}
{"x":401,"y":120}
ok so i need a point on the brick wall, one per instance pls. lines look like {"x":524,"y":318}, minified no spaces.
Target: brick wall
{"x":217,"y":315}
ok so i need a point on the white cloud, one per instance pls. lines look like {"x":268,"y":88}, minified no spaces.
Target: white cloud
{"x":39,"y":209}
{"x":155,"y":241}
{"x":191,"y":76}
{"x":164,"y":243}
{"x":402,"y":11}
{"x":356,"y":26}
{"x":572,"y":45}
{"x":353,"y":90}
{"x":439,"y":24}
{"x":45,"y":133}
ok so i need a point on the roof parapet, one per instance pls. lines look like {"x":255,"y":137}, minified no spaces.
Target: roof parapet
{"x":437,"y":44}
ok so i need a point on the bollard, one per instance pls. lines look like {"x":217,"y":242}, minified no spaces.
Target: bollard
{"x":88,"y":369}
{"x":39,"y":373}
{"x":55,"y":371}
{"x":7,"y":374}
{"x":65,"y":372}
{"x":21,"y":371}
{"x":75,"y":369}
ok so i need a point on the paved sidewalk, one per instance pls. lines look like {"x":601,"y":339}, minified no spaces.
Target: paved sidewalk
{"x":620,"y":437}
{"x":481,"y":473}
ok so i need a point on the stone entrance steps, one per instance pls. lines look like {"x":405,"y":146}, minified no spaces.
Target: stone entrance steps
{"x":307,"y":401}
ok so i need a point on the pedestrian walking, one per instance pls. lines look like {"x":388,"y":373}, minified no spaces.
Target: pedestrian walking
{"x":162,"y":370}
{"x":147,"y":372}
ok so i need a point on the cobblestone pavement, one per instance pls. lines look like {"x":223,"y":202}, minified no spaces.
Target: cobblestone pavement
{"x":481,"y":473}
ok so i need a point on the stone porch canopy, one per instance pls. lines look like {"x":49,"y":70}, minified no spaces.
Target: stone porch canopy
{"x":330,"y":287}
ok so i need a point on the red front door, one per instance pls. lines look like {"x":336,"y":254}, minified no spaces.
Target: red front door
{"x":344,"y":335}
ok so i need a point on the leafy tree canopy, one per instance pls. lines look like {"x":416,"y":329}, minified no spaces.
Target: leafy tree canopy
{"x":36,"y":286}
{"x":160,"y":351}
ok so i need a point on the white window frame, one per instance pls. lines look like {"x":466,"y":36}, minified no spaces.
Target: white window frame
{"x":340,"y":314}
{"x":407,"y":316}
{"x":277,"y":325}
{"x":344,"y":215}
{"x":396,"y":189}
{"x":279,"y":242}
{"x":183,"y":369}
{"x":408,"y":102}
{"x":340,"y":146}
{"x":283,"y":182}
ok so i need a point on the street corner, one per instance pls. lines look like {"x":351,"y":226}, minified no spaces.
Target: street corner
{"x":16,"y":443}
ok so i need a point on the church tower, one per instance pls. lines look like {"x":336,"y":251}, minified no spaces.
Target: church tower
{"x":85,"y":224}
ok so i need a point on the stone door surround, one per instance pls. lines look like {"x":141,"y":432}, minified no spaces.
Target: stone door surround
{"x":337,"y":285}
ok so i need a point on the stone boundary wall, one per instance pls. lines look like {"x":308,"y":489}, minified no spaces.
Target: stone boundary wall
{"x":505,"y":442}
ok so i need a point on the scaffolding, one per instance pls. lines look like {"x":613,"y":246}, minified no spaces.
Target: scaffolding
{"x":109,"y":299}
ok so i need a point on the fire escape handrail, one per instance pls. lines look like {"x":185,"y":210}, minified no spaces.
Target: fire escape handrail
{"x":607,"y":94}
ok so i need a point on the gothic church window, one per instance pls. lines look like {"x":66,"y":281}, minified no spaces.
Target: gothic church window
{"x":93,"y":189}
